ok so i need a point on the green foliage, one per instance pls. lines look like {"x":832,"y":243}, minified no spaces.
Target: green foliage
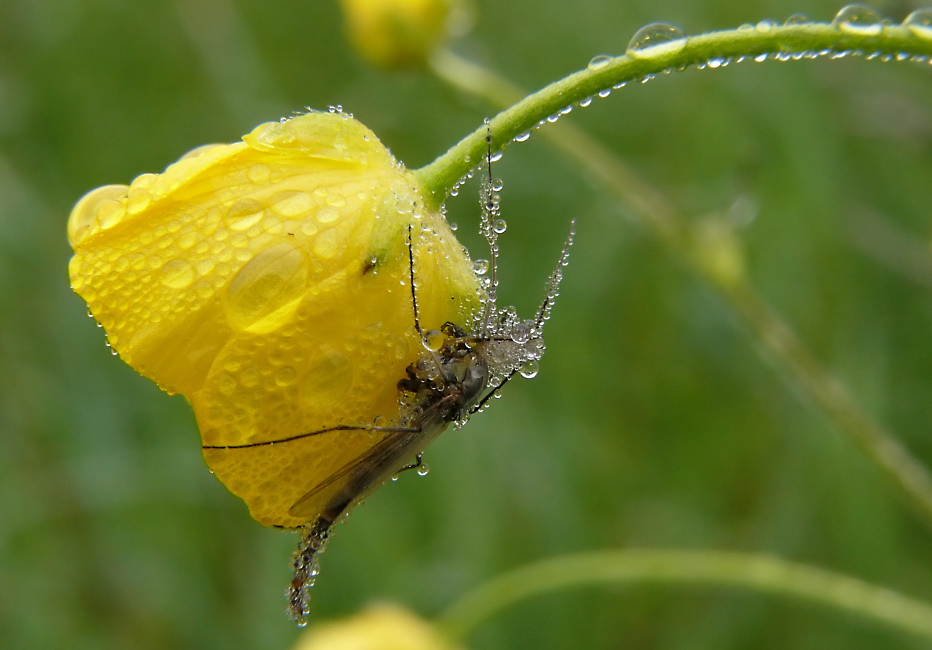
{"x":654,"y":422}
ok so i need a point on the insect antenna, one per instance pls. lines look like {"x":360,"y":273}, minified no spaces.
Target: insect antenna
{"x":553,"y":284}
{"x":417,"y":323}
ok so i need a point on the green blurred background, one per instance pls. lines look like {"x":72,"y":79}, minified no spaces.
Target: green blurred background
{"x":654,"y":421}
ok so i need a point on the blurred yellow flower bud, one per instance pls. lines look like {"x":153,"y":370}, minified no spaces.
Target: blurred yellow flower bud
{"x":268,"y":281}
{"x":397,"y":33}
{"x":384,"y":627}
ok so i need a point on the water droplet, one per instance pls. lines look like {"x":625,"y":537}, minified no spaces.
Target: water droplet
{"x":244,"y":214}
{"x":137,"y":201}
{"x":522,"y":137}
{"x":291,"y":203}
{"x":529,"y":369}
{"x":605,"y":93}
{"x":499,"y":226}
{"x":599,"y":61}
{"x":287,"y":376}
{"x":798,"y":19}
{"x":858,"y":19}
{"x":259,"y":174}
{"x":764,"y":26}
{"x":434,"y":340}
{"x":746,"y":27}
{"x":110,"y":213}
{"x":585,"y":101}
{"x":920,"y":23}
{"x":423,"y":469}
{"x":266,"y":291}
{"x":656,"y":39}
{"x":480,"y":267}
{"x":176,"y":274}
{"x":327,"y":215}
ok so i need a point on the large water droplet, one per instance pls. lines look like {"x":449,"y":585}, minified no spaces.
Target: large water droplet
{"x":137,"y":201}
{"x":656,"y":39}
{"x":599,"y":61}
{"x":858,"y":19}
{"x":176,"y":274}
{"x":244,"y":214}
{"x":291,"y":203}
{"x":920,"y":23}
{"x":798,"y":19}
{"x":110,"y":213}
{"x":529,"y":369}
{"x":267,"y":290}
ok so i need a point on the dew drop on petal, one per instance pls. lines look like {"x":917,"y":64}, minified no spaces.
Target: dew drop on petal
{"x":656,"y":39}
{"x":176,"y":274}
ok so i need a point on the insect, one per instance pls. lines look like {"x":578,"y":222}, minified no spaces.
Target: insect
{"x":324,"y":325}
{"x":459,"y":370}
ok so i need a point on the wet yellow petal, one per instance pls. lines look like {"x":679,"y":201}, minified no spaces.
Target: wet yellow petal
{"x":384,"y":627}
{"x":268,"y":281}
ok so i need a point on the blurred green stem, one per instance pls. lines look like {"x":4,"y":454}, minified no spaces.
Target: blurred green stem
{"x":773,"y":334}
{"x":768,"y":575}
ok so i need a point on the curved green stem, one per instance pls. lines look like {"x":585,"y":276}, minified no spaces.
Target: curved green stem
{"x":764,"y":574}
{"x":814,"y":39}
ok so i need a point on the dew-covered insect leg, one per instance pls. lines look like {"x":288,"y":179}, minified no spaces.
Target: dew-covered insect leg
{"x":306,"y":565}
{"x":416,"y":464}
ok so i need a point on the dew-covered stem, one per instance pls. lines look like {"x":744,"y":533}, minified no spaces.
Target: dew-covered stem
{"x":813,"y":39}
{"x":775,"y":337}
{"x":759,"y":573}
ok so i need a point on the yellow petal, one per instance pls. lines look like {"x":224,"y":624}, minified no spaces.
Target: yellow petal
{"x":268,"y":281}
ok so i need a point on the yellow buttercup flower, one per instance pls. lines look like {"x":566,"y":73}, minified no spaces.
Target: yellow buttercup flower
{"x":393,"y":33}
{"x":269,"y":282}
{"x":385,"y":627}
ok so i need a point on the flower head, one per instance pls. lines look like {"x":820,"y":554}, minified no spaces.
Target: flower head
{"x":268,"y":281}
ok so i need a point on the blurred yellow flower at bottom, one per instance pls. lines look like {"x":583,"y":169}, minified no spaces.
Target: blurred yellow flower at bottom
{"x":383,"y":627}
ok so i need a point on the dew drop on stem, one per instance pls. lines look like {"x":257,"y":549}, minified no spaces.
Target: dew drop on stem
{"x":858,"y":19}
{"x":656,"y":39}
{"x":920,"y":23}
